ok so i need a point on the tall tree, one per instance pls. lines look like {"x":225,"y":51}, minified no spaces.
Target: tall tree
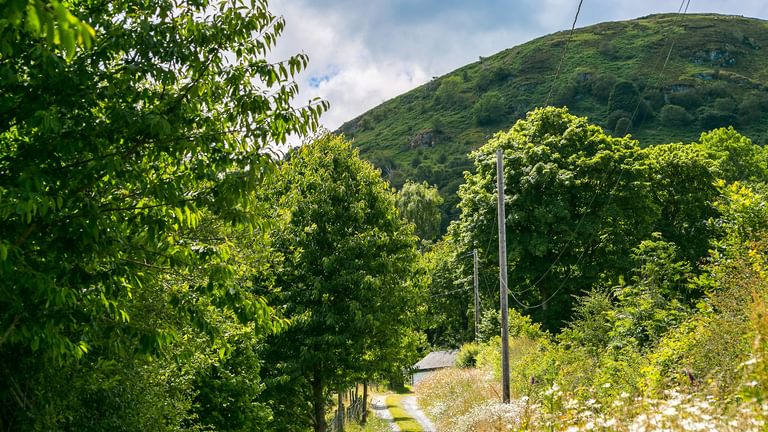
{"x":577,"y":202}
{"x":419,"y":203}
{"x":738,"y":158}
{"x":348,"y":284}
{"x":683,"y":187}
{"x":448,"y":322}
{"x":110,"y":159}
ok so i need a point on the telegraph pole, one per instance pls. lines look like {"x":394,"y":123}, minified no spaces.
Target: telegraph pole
{"x":477,"y":293}
{"x":503,"y":278}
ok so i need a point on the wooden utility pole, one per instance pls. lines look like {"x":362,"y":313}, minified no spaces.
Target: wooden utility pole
{"x":503,"y":278}
{"x":477,"y":292}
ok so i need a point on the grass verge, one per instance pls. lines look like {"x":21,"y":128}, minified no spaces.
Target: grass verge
{"x":400,"y":415}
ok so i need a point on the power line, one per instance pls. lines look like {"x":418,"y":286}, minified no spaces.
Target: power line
{"x":682,"y":10}
{"x":565,"y":50}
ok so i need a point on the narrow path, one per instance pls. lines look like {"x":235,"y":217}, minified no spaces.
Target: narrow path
{"x":379,"y":405}
{"x":410,"y":404}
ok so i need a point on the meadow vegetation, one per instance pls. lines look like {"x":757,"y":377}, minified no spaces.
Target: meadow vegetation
{"x":673,"y":339}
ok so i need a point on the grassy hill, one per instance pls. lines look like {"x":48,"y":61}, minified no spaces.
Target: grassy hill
{"x":717,"y":75}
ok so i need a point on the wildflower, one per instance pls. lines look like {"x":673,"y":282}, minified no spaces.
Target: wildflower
{"x":670,"y":411}
{"x":749,"y":362}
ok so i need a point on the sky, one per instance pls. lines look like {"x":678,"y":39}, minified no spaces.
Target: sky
{"x":364,"y":52}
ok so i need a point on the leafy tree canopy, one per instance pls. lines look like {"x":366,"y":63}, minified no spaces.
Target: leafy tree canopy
{"x":419,"y":203}
{"x":348,"y":282}
{"x":110,"y":160}
{"x":577,"y":203}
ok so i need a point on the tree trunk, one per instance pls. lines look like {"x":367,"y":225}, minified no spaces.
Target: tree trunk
{"x":365,"y":401}
{"x":318,"y":403}
{"x":340,"y":411}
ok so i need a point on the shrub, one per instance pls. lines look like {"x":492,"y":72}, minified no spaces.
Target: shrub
{"x":750,"y":109}
{"x":690,"y":99}
{"x":614,"y":117}
{"x":711,"y":119}
{"x":624,"y":96}
{"x":489,"y":109}
{"x":600,"y":86}
{"x":655,"y":98}
{"x":467,"y":357}
{"x":623,"y":125}
{"x":449,"y":94}
{"x":591,"y":323}
{"x":675,"y":115}
{"x":726,"y":105}
{"x":491,"y":76}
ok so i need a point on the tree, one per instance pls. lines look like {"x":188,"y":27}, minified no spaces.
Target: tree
{"x":738,"y":159}
{"x":577,"y":203}
{"x":447,"y":322}
{"x":449,"y":94}
{"x":349,"y":283}
{"x":624,"y":97}
{"x":51,"y":20}
{"x":683,"y":180}
{"x":489,"y":109}
{"x":419,"y":204}
{"x":675,"y":115}
{"x":115,"y":164}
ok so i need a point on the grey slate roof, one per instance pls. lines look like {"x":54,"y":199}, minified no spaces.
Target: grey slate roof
{"x":437,"y":360}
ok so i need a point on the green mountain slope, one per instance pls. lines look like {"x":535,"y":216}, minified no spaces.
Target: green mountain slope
{"x":716,"y":75}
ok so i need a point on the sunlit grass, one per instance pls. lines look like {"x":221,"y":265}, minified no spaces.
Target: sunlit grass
{"x":400,"y":415}
{"x":374,"y":424}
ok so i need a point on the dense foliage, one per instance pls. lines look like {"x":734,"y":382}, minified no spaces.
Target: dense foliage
{"x":419,"y":203}
{"x":673,"y":339}
{"x":127,"y":178}
{"x":349,"y":281}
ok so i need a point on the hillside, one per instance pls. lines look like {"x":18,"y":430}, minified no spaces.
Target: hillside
{"x":716,"y":76}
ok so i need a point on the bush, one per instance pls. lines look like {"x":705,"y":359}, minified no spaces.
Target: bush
{"x":675,"y":115}
{"x":726,"y":105}
{"x":449,"y":93}
{"x":614,"y":117}
{"x":624,"y":97}
{"x":600,"y":87}
{"x":750,"y":109}
{"x":711,"y":119}
{"x":655,"y":98}
{"x":492,"y":76}
{"x":591,"y":323}
{"x":690,"y":99}
{"x":489,"y":109}
{"x":467,"y":357}
{"x":623,"y":125}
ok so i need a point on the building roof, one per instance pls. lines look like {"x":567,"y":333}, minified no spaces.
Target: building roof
{"x":437,"y":360}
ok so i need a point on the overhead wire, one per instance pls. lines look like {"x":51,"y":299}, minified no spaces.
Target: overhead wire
{"x":565,"y":51}
{"x":682,"y":10}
